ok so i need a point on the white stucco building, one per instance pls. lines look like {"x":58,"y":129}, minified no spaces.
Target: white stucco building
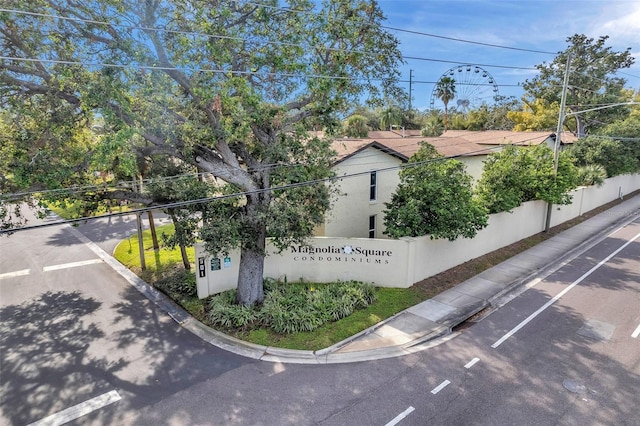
{"x":370,"y":171}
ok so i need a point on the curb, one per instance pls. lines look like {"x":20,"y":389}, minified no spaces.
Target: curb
{"x":331,"y":354}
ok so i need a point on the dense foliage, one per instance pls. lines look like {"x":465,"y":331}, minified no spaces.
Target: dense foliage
{"x":292,"y":307}
{"x":519,"y":174}
{"x":592,"y":81}
{"x":230,"y":88}
{"x":434,"y":198}
{"x":616,"y":157}
{"x":356,"y":126}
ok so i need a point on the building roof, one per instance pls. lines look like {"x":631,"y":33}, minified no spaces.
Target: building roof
{"x":452,"y":143}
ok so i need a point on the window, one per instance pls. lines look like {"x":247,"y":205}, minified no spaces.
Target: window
{"x":373,"y":189}
{"x":372,"y":226}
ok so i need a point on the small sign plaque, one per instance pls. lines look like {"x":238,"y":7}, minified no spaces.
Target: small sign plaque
{"x":215,"y":263}
{"x":201,"y":268}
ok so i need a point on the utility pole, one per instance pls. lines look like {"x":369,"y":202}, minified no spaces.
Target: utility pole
{"x":410,"y":88}
{"x":556,"y":147}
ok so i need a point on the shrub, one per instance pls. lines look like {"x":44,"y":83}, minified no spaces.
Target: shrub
{"x":181,"y":283}
{"x":593,"y":174}
{"x":223,"y":311}
{"x":293,"y":308}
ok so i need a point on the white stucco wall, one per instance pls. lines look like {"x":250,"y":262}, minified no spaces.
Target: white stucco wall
{"x":401,"y":263}
{"x":349,"y":215}
{"x":591,"y":197}
{"x":474,"y":165}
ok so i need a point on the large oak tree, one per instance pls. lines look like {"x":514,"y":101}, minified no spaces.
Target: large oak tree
{"x":229,"y":87}
{"x":592,"y":81}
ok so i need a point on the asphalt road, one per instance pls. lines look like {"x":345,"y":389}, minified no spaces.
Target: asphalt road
{"x":73,"y":331}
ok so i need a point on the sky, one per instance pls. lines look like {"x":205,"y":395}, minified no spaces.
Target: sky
{"x":538,"y":25}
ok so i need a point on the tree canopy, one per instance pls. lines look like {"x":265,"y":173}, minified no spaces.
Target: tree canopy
{"x":616,"y":157}
{"x":519,"y":174}
{"x":228,"y":87}
{"x":536,"y":115}
{"x":434,"y":198}
{"x":591,"y":81}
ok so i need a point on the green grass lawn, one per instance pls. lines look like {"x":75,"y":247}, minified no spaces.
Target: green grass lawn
{"x":389,"y":302}
{"x":158,"y":262}
{"x":165,"y":262}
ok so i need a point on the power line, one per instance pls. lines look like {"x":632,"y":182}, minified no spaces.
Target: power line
{"x":193,"y":33}
{"x":126,"y":184}
{"x":469,"y":64}
{"x":238,"y":194}
{"x":237,"y":72}
{"x":268,"y":166}
{"x":468,"y":41}
{"x":164,"y":68}
{"x":420,"y":33}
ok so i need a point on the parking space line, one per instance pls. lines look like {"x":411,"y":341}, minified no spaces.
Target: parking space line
{"x":636,"y":333}
{"x":515,"y":329}
{"x":79,"y":410}
{"x":15,"y":274}
{"x":440,"y":387}
{"x":71,"y":265}
{"x":400,"y":416}
{"x":471,"y":363}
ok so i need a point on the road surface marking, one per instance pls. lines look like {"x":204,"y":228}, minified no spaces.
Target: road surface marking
{"x":79,"y":410}
{"x":400,"y":416}
{"x":440,"y":387}
{"x":15,"y":274}
{"x":472,"y":363}
{"x":636,"y":333}
{"x":562,"y":293}
{"x":71,"y":265}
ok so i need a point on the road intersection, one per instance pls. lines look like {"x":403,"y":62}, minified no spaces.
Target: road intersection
{"x":76,"y":334}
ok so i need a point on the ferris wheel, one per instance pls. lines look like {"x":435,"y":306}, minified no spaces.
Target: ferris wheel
{"x":474,"y":86}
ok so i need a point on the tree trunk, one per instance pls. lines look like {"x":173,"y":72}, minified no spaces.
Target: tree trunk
{"x":185,"y":258}
{"x":152,"y":227}
{"x":183,"y":250}
{"x":250,"y":289}
{"x":580,"y":127}
{"x":250,"y":278}
{"x":446,"y":117}
{"x":143,"y":264}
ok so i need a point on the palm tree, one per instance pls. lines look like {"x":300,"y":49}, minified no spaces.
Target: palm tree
{"x":390,"y":116}
{"x":356,"y":126}
{"x":446,"y":91}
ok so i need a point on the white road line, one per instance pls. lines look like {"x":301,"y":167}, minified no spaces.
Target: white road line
{"x":15,"y":274}
{"x":79,"y":410}
{"x":440,"y":387}
{"x":636,"y":333}
{"x":400,"y":416}
{"x":515,"y":329}
{"x":472,"y":363}
{"x":71,"y":265}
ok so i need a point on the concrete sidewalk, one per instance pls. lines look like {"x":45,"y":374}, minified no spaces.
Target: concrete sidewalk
{"x":431,"y":321}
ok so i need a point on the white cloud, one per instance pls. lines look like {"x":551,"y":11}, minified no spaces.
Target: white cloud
{"x":623,"y":25}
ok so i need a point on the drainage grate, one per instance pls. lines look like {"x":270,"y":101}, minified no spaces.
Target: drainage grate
{"x":473,"y":319}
